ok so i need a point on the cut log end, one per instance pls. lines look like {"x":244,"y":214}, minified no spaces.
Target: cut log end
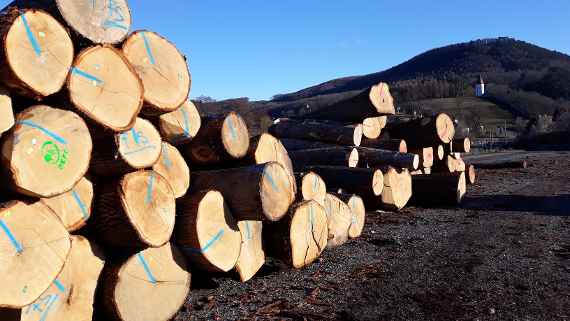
{"x":162,"y":68}
{"x":308,"y":233}
{"x":372,"y":127}
{"x":313,"y":187}
{"x":140,"y":147}
{"x":358,"y":210}
{"x":99,"y":21}
{"x":50,"y":143}
{"x":74,"y":207}
{"x":382,"y":99}
{"x":24,"y":243}
{"x":39,"y":52}
{"x":440,"y":152}
{"x":207,"y":232}
{"x":353,"y":158}
{"x":462,"y":145}
{"x":172,"y":166}
{"x":378,"y":182}
{"x":471,"y":175}
{"x":397,"y":189}
{"x":339,"y":218}
{"x":358,"y":133}
{"x":106,"y":88}
{"x":6,"y":111}
{"x":235,"y":135}
{"x":152,"y":273}
{"x":276,"y":191}
{"x":181,"y":125}
{"x":252,"y":255}
{"x":445,"y":128}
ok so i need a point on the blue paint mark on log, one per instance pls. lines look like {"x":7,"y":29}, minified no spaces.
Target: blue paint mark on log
{"x":315,"y":184}
{"x":232,"y":128}
{"x":46,"y":131}
{"x":139,"y":150}
{"x":247,"y":231}
{"x":80,"y":204}
{"x":208,"y":245}
{"x":33,"y":41}
{"x":59,"y":285}
{"x":50,"y":304}
{"x":148,"y":49}
{"x":270,"y":179}
{"x":186,"y":122}
{"x":146,"y":268}
{"x":136,"y":137}
{"x":148,"y":198}
{"x":11,"y":236}
{"x":86,"y":75}
{"x":165,"y":158}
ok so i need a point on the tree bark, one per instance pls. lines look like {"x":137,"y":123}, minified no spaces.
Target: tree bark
{"x":260,"y":192}
{"x":74,"y":207}
{"x":438,"y":189}
{"x":425,"y":154}
{"x":379,"y":157}
{"x":429,"y":131}
{"x":461,"y":145}
{"x":172,"y":166}
{"x":340,"y":156}
{"x":317,"y":131}
{"x":397,"y":145}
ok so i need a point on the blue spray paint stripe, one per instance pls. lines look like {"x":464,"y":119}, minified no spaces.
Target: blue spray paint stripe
{"x":232,"y":128}
{"x":142,"y":149}
{"x":59,"y":285}
{"x":31,"y":37}
{"x":165,"y":159}
{"x":86,"y":75}
{"x":146,"y":269}
{"x":315,"y":184}
{"x":208,"y":245}
{"x":48,"y":132}
{"x":80,"y":204}
{"x":186,"y":122}
{"x":148,"y":50}
{"x":247,"y":231}
{"x":11,"y":236}
{"x":135,"y":136}
{"x":114,"y":24}
{"x":270,"y":179}
{"x":148,"y":198}
{"x":50,"y":304}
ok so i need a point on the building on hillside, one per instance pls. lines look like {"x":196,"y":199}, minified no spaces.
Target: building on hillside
{"x":480,"y":87}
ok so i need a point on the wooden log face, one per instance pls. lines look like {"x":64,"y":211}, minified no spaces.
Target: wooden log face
{"x":153,"y":275}
{"x":252,"y":255}
{"x":372,"y":127}
{"x":216,"y":238}
{"x":39,"y":51}
{"x":270,"y":149}
{"x":397,"y":189}
{"x":106,"y":88}
{"x":445,"y":128}
{"x":6,"y":112}
{"x":140,"y":146}
{"x":74,"y":207}
{"x":71,"y":295}
{"x":162,"y":69}
{"x":358,"y":211}
{"x":276,"y":190}
{"x":48,"y":152}
{"x":148,"y":201}
{"x":235,"y":135}
{"x":382,"y":99}
{"x":181,"y":125}
{"x":339,"y":218}
{"x":308,"y":233}
{"x":313,"y":187}
{"x":105,"y":22}
{"x":33,"y":248}
{"x":172,"y":166}
{"x":471,"y":174}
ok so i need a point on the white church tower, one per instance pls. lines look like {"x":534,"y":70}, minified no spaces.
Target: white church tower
{"x":480,"y":87}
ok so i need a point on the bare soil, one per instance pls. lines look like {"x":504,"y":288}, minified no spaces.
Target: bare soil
{"x":504,"y":255}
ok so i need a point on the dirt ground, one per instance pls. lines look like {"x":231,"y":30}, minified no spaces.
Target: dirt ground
{"x":504,"y":255}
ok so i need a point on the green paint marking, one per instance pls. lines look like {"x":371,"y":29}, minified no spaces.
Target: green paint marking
{"x":55,"y":156}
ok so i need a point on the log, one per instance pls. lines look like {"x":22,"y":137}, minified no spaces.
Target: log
{"x":292,"y":144}
{"x":105,"y":87}
{"x":162,"y":68}
{"x":438,"y":189}
{"x":136,"y":212}
{"x":100,"y":22}
{"x":151,"y":285}
{"x":6,"y":112}
{"x":47,"y":153}
{"x":378,"y":157}
{"x":471,"y":175}
{"x":339,"y":156}
{"x":397,"y":189}
{"x":372,"y":102}
{"x":459,"y":165}
{"x":429,"y":131}
{"x":500,"y":164}
{"x":439,"y":153}
{"x":461,"y":145}
{"x":397,"y":145}
{"x":220,"y":139}
{"x":366,"y":183}
{"x":358,"y":214}
{"x":74,"y":207}
{"x":372,"y":127}
{"x":264,"y":193}
{"x":318,"y":131}
{"x":207,"y":232}
{"x":448,"y":165}
{"x":124,"y":152}
{"x":181,"y":125}
{"x":172,"y":166}
{"x":252,"y":256}
{"x":300,"y":237}
{"x":313,"y":187}
{"x":422,"y":171}
{"x":33,"y":248}
{"x":72,"y":295}
{"x":425,"y":154}
{"x":36,"y":54}
{"x":339,"y":219}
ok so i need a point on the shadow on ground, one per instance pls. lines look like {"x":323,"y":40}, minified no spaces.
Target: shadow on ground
{"x":558,"y":205}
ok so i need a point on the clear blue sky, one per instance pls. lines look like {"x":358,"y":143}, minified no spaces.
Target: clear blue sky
{"x":258,"y":48}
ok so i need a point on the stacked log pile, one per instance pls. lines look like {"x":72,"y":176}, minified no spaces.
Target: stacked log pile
{"x":115,"y":187}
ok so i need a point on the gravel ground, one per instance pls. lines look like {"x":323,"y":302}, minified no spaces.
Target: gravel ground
{"x":504,"y":255}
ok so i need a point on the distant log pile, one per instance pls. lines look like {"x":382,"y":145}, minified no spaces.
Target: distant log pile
{"x":124,"y":158}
